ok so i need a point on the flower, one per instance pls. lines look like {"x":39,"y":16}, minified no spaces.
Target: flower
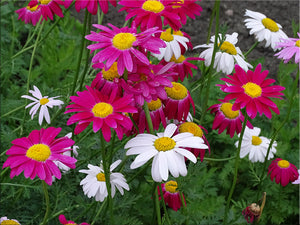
{"x":120,"y":45}
{"x":173,"y":40}
{"x":35,"y":154}
{"x":149,"y":13}
{"x":291,"y":47}
{"x":252,"y":213}
{"x":43,"y":102}
{"x":298,"y":180}
{"x":177,"y":106}
{"x":283,"y":171}
{"x":227,"y":55}
{"x":63,"y":220}
{"x":104,"y":111}
{"x":92,"y":6}
{"x":252,"y":91}
{"x":5,"y":221}
{"x":171,"y":194}
{"x":226,"y":118}
{"x":50,"y":8}
{"x":166,"y":150}
{"x":94,"y":184}
{"x":256,"y":146}
{"x":31,"y":13}
{"x":264,"y":28}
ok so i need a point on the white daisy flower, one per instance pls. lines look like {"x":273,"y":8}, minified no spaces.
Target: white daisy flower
{"x":166,"y":150}
{"x":94,"y":185}
{"x":264,"y":28}
{"x":256,"y":146}
{"x":173,"y":42}
{"x":227,"y":56}
{"x":5,"y":220}
{"x":44,"y":102}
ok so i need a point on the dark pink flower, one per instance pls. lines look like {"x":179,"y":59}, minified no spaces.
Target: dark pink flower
{"x":92,"y":5}
{"x":251,"y":213}
{"x":63,"y":220}
{"x":31,"y":13}
{"x":49,"y":8}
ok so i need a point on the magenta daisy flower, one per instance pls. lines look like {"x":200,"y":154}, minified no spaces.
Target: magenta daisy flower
{"x":178,"y":102}
{"x":290,"y":47}
{"x":120,"y":44}
{"x":226,"y":118}
{"x":31,"y":13}
{"x":252,"y":90}
{"x":62,"y":219}
{"x":35,"y":154}
{"x":252,"y":213}
{"x":104,"y":111}
{"x":92,"y":6}
{"x":171,"y":195}
{"x":149,"y":13}
{"x":283,"y":171}
{"x":49,"y":8}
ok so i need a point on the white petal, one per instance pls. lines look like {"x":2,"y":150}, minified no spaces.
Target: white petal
{"x":155,"y":170}
{"x":142,"y":159}
{"x":187,"y":154}
{"x":163,"y":165}
{"x":114,"y":165}
{"x":170,"y":130}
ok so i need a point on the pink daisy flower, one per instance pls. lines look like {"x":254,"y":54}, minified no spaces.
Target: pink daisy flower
{"x":283,"y":171}
{"x":120,"y":44}
{"x":31,"y":13}
{"x":92,"y":6}
{"x":63,"y":220}
{"x":49,"y":8}
{"x":171,"y":195}
{"x":252,"y":90}
{"x":291,"y":47}
{"x":226,"y":118}
{"x":177,"y":106}
{"x":104,"y":111}
{"x":35,"y":154}
{"x":149,"y":13}
{"x":251,"y":213}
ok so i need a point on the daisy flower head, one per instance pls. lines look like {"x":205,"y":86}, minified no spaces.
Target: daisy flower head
{"x":298,"y":179}
{"x":62,"y":219}
{"x":256,"y":146}
{"x":104,"y":111}
{"x":41,"y":102}
{"x":94,"y":184}
{"x":167,"y":150}
{"x":173,"y":41}
{"x":264,"y":29}
{"x":35,"y":155}
{"x":252,"y":213}
{"x":151,"y":13}
{"x":121,"y":45}
{"x":283,"y":171}
{"x":92,"y":6}
{"x":252,"y":91}
{"x":177,"y":106}
{"x":171,"y":194}
{"x":226,"y":118}
{"x":227,"y":55}
{"x":290,"y":47}
{"x":49,"y":8}
{"x":5,"y":221}
{"x":31,"y":13}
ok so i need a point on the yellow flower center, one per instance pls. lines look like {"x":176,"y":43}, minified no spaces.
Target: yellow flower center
{"x":9,"y":222}
{"x":179,"y":3}
{"x":164,"y":144}
{"x":39,"y":152}
{"x":32,"y":9}
{"x":226,"y":109}
{"x":297,"y":43}
{"x":153,"y":6}
{"x":44,"y":101}
{"x":179,"y":60}
{"x":283,"y":164}
{"x":178,"y":32}
{"x":252,"y":89}
{"x":256,"y":140}
{"x":228,"y":48}
{"x":177,"y":92}
{"x":191,"y":127}
{"x":171,"y":186}
{"x":154,"y":104}
{"x":102,"y":109}
{"x":167,"y":35}
{"x":111,"y":73}
{"x":101,"y":177}
{"x":44,"y":2}
{"x":270,"y":24}
{"x":123,"y":41}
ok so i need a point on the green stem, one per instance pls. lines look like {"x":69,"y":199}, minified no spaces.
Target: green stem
{"x":164,"y":204}
{"x":212,"y":15}
{"x":219,"y":160}
{"x":251,"y":49}
{"x":139,"y":172}
{"x":148,"y":117}
{"x":157,"y":205}
{"x":12,"y":111}
{"x":236,"y":167}
{"x":47,"y":203}
{"x":99,"y":211}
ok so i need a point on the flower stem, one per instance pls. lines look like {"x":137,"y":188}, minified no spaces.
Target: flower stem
{"x":219,"y":160}
{"x":47,"y":202}
{"x":148,"y":117}
{"x":236,"y":167}
{"x":157,"y":205}
{"x":251,"y":49}
{"x":99,"y":211}
{"x":164,"y":204}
